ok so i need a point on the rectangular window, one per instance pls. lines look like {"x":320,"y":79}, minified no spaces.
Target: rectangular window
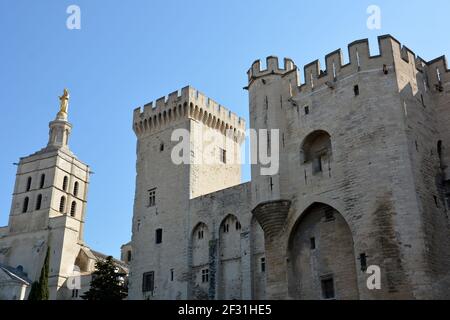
{"x":317,"y":164}
{"x":328,"y":288}
{"x":152,"y":197}
{"x":171,"y":274}
{"x":129,"y":255}
{"x":158,"y":235}
{"x":356,"y":90}
{"x":223,"y":155}
{"x":263,"y":264}
{"x":313,"y":243}
{"x":205,"y":275}
{"x":363,"y":261}
{"x":307,"y":110}
{"x":148,"y":281}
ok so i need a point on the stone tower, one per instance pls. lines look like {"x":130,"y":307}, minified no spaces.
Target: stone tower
{"x":48,"y":211}
{"x":363,"y":177}
{"x":168,"y":176}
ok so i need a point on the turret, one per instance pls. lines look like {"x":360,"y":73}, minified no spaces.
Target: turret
{"x":270,"y":90}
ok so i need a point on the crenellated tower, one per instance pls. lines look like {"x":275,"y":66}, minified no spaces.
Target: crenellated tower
{"x":363,"y":174}
{"x":188,"y":145}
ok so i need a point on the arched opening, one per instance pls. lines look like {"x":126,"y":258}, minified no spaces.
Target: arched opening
{"x":29,"y":183}
{"x":39,"y":202}
{"x":62,"y":204}
{"x":65,"y":181}
{"x":230,"y":280}
{"x":25,"y":204}
{"x":316,"y":149}
{"x":73,"y":209}
{"x":41,"y":184}
{"x":258,"y":260}
{"x":75,"y":189}
{"x":200,"y":238}
{"x":321,"y":261}
{"x":82,"y":261}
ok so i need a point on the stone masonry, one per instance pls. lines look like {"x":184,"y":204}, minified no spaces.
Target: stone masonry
{"x":363,"y":180}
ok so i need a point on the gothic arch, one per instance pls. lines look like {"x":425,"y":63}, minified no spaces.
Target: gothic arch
{"x":230,"y":279}
{"x":321,"y":256}
{"x":258,"y":262}
{"x":200,"y":241}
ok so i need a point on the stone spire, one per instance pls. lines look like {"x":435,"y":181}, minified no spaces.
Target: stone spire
{"x":60,"y":128}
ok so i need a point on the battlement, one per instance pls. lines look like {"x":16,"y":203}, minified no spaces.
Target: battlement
{"x":183,"y":104}
{"x":272,"y":68}
{"x":359,"y":59}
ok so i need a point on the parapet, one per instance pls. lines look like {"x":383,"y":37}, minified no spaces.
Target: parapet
{"x":359,"y":59}
{"x":182,"y":104}
{"x":272,"y":68}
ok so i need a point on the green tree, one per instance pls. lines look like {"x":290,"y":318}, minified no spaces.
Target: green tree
{"x":107,"y":283}
{"x":39,"y":289}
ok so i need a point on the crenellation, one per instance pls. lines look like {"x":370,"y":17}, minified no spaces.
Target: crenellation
{"x":351,"y":184}
{"x":438,"y":72}
{"x":183,"y":104}
{"x":272,"y":68}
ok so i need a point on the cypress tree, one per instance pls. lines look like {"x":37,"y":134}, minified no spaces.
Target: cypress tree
{"x":39,"y":289}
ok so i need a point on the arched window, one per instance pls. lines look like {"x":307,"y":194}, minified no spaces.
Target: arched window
{"x":75,"y":189}
{"x":25,"y":205}
{"x":62,"y":204}
{"x":73,"y":209}
{"x":64,"y":186}
{"x":39,"y":202}
{"x":316,"y":148}
{"x":29,"y":184}
{"x":41,"y":184}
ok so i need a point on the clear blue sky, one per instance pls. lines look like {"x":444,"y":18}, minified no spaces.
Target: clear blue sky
{"x":128,"y":53}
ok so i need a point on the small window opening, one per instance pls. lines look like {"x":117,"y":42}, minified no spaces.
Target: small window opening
{"x":41,"y":184}
{"x":363,"y":261}
{"x":307,"y":110}
{"x":263,"y":264}
{"x":328,"y":288}
{"x":205,"y":275}
{"x":25,"y":205}
{"x":312,"y":243}
{"x":39,"y":202}
{"x":152,"y":197}
{"x":158,"y":236}
{"x":356,"y":90}
{"x":29,"y":184}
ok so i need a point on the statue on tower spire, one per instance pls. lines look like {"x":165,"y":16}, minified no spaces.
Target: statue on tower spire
{"x":64,"y":104}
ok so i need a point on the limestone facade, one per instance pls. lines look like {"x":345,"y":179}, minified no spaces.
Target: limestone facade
{"x":363,"y":180}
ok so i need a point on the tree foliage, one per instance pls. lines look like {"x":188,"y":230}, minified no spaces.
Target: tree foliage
{"x":107,"y":283}
{"x":39,"y":289}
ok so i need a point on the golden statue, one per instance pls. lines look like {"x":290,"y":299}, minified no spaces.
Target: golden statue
{"x":64,"y":104}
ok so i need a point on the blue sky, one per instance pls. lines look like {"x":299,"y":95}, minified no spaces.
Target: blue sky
{"x":128,"y":53}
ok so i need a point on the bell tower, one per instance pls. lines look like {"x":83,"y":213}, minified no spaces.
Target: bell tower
{"x":48,"y":208}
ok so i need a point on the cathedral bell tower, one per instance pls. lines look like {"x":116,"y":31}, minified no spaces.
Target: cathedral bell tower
{"x":48,"y":208}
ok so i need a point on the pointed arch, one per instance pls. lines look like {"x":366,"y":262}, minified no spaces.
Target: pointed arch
{"x":321,"y":233}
